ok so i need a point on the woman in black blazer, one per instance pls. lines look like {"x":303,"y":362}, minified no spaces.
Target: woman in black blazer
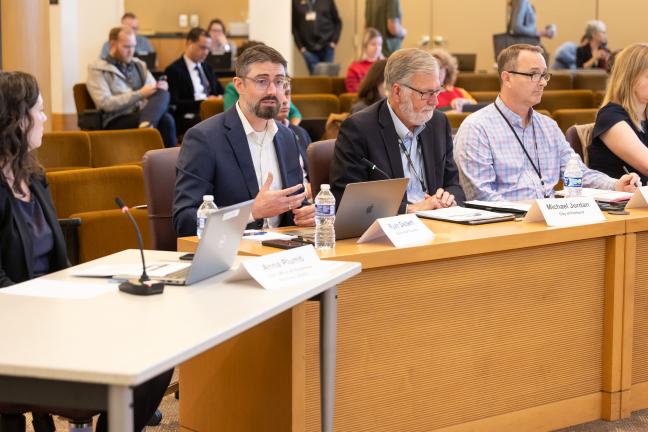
{"x":31,"y":241}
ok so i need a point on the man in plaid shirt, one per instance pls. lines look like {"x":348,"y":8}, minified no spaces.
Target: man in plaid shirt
{"x":507,"y":151}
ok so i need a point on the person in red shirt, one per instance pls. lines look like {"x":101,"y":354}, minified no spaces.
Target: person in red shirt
{"x":371,"y":51}
{"x":451,"y":98}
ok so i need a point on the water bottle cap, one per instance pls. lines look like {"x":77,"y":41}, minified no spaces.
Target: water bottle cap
{"x":208,"y":197}
{"x":325,"y":186}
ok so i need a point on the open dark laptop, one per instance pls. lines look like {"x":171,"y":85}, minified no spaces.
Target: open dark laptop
{"x":149,"y":58}
{"x":361,"y":204}
{"x":218,"y":246}
{"x":220,"y":61}
{"x":466,"y":62}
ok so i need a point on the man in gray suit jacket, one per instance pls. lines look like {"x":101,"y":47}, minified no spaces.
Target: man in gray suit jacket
{"x":244,"y":153}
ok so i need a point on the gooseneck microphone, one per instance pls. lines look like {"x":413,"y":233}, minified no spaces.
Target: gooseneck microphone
{"x":372,"y":166}
{"x":144,"y":285}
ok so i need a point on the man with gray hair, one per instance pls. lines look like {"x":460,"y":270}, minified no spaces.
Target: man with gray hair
{"x":507,"y":151}
{"x":403,"y":136}
{"x":244,"y":154}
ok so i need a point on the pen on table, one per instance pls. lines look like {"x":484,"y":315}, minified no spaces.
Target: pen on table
{"x":638,"y":184}
{"x":254,"y":233}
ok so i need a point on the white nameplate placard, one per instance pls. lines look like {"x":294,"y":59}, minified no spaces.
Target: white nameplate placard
{"x":402,"y":230}
{"x":285,"y":268}
{"x":565,"y":212}
{"x":639,"y":199}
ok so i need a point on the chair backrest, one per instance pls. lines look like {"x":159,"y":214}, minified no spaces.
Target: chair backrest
{"x":580,"y":138}
{"x":347,"y":100}
{"x":590,"y":79}
{"x":319,"y":156}
{"x":326,"y":69}
{"x":127,"y":146}
{"x":570,"y":117}
{"x":225,"y":80}
{"x":159,"y":183}
{"x":82,"y":99}
{"x":484,"y":96}
{"x":316,"y":105}
{"x":65,"y":150}
{"x":553,"y":100}
{"x":456,"y":119}
{"x":338,"y":85}
{"x":211,"y":107}
{"x":311,"y":84}
{"x":560,"y":81}
{"x":478,"y":81}
{"x":571,"y":135}
{"x":85,"y":190}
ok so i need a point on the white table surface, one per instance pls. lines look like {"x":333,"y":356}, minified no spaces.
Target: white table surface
{"x":122,"y":339}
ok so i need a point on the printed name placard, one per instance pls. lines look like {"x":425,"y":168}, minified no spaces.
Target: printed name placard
{"x":639,"y":199}
{"x":282,"y":269}
{"x":402,"y":230}
{"x":565,"y":212}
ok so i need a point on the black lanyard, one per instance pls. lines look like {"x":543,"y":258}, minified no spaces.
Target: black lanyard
{"x":536,"y":168}
{"x":412,"y":169}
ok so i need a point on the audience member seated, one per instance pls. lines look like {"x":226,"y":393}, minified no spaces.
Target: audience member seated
{"x":231,"y":94}
{"x":372,"y":87}
{"x":593,"y":52}
{"x":451,"y":98}
{"x":371,"y":52}
{"x":244,"y":154}
{"x":619,"y":137}
{"x":509,"y":152}
{"x":123,"y":88}
{"x":316,"y":28}
{"x":142,"y":44}
{"x":565,"y":56}
{"x":191,"y":81}
{"x":32,"y":241}
{"x":403,"y":136}
{"x":219,"y":43}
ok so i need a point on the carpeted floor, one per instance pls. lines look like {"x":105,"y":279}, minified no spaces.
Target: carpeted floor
{"x":637,"y":423}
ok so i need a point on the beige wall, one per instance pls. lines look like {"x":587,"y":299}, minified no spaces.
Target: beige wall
{"x":163,"y":16}
{"x":466,"y":26}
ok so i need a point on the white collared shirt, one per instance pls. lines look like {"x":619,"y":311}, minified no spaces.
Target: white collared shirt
{"x":200,"y":92}
{"x":264,"y":156}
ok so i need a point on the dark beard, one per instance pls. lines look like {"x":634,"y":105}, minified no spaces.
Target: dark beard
{"x":267,"y":112}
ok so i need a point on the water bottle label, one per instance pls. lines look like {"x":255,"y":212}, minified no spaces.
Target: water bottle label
{"x":324,"y":210}
{"x":573,"y":182}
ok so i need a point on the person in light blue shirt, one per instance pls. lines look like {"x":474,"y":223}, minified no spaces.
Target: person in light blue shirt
{"x":142,"y":44}
{"x":507,"y":151}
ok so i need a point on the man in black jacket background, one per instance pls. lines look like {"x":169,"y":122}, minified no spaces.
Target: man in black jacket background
{"x":191,"y":80}
{"x":316,"y":28}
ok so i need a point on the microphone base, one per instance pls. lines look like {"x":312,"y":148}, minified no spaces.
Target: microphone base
{"x":136,"y":287}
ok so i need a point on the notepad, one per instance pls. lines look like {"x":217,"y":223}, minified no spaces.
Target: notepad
{"x":467,"y":216}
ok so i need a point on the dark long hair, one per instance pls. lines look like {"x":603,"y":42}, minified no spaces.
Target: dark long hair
{"x":18,"y":94}
{"x":368,"y":91}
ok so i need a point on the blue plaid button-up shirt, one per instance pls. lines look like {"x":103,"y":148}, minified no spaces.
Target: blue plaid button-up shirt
{"x":493,"y":167}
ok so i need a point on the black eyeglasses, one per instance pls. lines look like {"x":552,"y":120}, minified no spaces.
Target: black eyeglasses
{"x":535,"y":76}
{"x":425,"y":95}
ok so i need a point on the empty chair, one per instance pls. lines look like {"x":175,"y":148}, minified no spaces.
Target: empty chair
{"x":312,"y":84}
{"x":319,"y":156}
{"x":159,"y":183}
{"x":590,"y":80}
{"x":553,"y":100}
{"x":211,"y":107}
{"x":560,"y":81}
{"x":347,"y":100}
{"x":326,"y":69}
{"x":64,"y":150}
{"x":316,"y":105}
{"x":478,"y":82}
{"x":338,"y":85}
{"x":569,"y":117}
{"x":126,"y":146}
{"x":89,"y":194}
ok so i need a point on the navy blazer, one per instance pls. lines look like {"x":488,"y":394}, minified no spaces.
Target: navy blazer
{"x":215,"y":160}
{"x":16,"y":240}
{"x":371,"y":134}
{"x":181,"y":87}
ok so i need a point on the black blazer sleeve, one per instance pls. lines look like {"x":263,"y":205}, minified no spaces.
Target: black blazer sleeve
{"x":216,"y":89}
{"x":181,"y":88}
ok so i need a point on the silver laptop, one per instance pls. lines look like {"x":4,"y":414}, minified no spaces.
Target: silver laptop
{"x":361,"y":204}
{"x":218,"y":246}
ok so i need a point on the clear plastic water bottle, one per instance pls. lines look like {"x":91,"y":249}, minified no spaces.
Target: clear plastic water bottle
{"x":325,"y":218}
{"x":573,"y":178}
{"x":206,"y":208}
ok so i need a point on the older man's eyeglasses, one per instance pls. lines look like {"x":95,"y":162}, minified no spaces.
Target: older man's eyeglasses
{"x":535,"y":76}
{"x":262,"y":83}
{"x":425,"y":95}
